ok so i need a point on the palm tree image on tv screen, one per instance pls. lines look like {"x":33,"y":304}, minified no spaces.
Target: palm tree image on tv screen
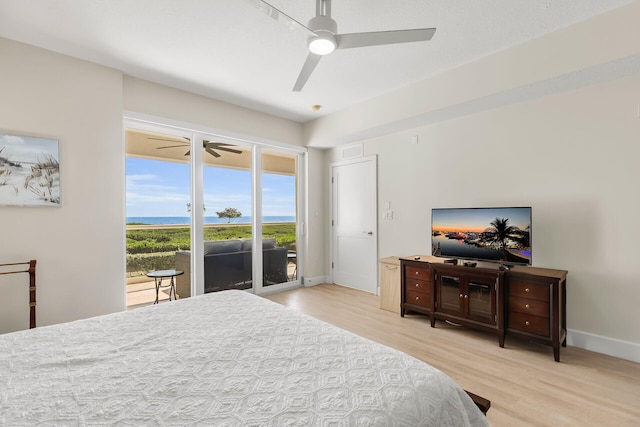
{"x":489,"y":234}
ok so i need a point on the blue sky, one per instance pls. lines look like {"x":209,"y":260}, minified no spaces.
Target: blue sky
{"x":160,"y":188}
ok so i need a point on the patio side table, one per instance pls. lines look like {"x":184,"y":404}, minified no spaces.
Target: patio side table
{"x":164,"y":274}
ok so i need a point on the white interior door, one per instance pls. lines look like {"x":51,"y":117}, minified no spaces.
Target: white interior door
{"x":354,"y":247}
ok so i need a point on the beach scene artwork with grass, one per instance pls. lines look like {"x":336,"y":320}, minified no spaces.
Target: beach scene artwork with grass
{"x":29,"y":171}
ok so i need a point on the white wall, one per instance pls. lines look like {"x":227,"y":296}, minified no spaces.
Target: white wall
{"x":78,"y":246}
{"x":317,"y":214}
{"x":163,"y":102}
{"x":562,"y":137}
{"x":572,"y":157}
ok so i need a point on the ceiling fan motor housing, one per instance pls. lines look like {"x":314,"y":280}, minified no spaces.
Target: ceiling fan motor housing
{"x":323,"y":23}
{"x":325,"y":28}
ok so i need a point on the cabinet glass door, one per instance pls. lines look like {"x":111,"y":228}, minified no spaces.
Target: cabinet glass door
{"x":450,"y":294}
{"x":480,"y":300}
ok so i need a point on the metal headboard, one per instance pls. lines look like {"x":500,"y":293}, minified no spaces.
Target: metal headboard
{"x":32,"y":285}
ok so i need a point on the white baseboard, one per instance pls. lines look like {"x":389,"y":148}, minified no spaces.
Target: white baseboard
{"x":609,"y":346}
{"x":274,"y":289}
{"x":312,"y":281}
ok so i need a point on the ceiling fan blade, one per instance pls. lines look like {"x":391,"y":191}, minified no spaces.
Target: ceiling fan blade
{"x":307,"y":69}
{"x":376,"y":38}
{"x":221,"y":146}
{"x":210,"y":151}
{"x":229,"y":150}
{"x":176,"y":139}
{"x":208,"y":143}
{"x":280,"y":16}
{"x":172,"y":146}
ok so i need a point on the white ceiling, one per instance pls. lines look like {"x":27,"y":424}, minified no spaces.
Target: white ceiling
{"x":231,"y":51}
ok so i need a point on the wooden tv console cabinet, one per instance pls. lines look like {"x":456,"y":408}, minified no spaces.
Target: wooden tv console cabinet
{"x":527,"y":302}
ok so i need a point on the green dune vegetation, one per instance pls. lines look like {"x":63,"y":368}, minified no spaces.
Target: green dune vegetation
{"x":153,"y":247}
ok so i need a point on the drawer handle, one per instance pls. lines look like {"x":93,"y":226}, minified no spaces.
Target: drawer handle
{"x":417,"y":273}
{"x":466,"y":296}
{"x":460,"y":295}
{"x":527,"y":290}
{"x":527,"y":306}
{"x":417,"y":285}
{"x":527,"y":323}
{"x":417,"y":298}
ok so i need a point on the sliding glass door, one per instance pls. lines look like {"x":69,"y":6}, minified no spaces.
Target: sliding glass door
{"x":158,"y":229}
{"x":227,"y":229}
{"x":225,"y":211}
{"x":279,"y":216}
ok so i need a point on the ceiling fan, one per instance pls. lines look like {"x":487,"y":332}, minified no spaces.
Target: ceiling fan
{"x":210,"y":147}
{"x":324,"y":38}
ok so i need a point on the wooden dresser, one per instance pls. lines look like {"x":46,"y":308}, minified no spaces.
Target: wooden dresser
{"x":526,"y":302}
{"x":536,"y":306}
{"x":415,"y":287}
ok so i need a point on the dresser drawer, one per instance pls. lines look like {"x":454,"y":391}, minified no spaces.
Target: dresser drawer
{"x":530,"y":324}
{"x":417,"y":285}
{"x":418,"y":298}
{"x":535,"y":291}
{"x":418,"y":273}
{"x":529,"y":306}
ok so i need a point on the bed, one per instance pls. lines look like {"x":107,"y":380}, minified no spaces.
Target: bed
{"x":222,"y":359}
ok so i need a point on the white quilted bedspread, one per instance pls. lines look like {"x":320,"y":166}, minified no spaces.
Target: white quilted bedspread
{"x":223,"y":359}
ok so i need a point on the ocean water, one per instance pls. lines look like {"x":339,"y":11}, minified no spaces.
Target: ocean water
{"x":173,"y":220}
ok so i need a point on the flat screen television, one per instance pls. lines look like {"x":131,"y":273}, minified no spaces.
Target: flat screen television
{"x":500,"y":234}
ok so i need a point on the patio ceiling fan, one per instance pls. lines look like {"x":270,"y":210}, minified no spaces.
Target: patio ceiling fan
{"x":322,"y":32}
{"x":211,"y":147}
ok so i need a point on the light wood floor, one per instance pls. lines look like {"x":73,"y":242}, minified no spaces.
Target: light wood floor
{"x":526,"y":387}
{"x":144,"y":293}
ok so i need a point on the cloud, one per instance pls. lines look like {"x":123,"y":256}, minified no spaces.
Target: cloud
{"x":11,"y":139}
{"x":146,"y":189}
{"x":28,"y":149}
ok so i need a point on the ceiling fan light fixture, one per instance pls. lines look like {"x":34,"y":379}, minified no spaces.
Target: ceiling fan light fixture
{"x":323,"y":44}
{"x":325,"y":38}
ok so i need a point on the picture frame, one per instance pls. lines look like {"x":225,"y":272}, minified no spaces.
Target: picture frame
{"x":29,"y":171}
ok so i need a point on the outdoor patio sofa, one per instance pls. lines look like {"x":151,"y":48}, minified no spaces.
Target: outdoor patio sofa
{"x":228,"y":265}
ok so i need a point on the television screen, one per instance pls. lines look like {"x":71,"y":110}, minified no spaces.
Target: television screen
{"x":485,"y":234}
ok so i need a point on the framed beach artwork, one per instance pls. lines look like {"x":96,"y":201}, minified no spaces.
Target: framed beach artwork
{"x":29,"y":171}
